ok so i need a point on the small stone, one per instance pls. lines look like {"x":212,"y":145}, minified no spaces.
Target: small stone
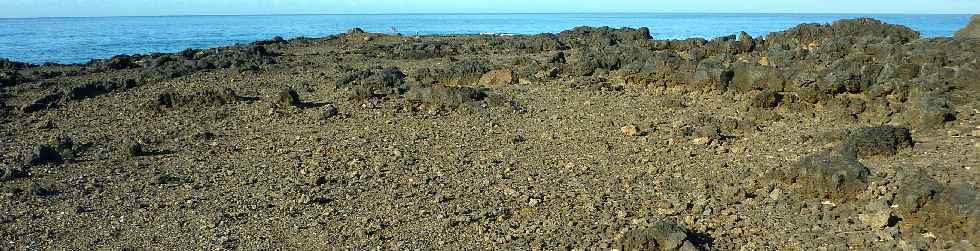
{"x":776,"y":194}
{"x":876,"y":220}
{"x":630,"y":130}
{"x":533,"y":202}
{"x":701,"y":141}
{"x":289,"y":97}
{"x":329,"y":111}
{"x":133,"y":148}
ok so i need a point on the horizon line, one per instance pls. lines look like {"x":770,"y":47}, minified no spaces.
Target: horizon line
{"x":500,"y":13}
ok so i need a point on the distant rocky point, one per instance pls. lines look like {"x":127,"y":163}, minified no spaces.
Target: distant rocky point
{"x":971,"y":30}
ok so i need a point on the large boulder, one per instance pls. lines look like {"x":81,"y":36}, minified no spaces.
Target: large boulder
{"x":972,"y":30}
{"x":661,"y":235}
{"x":878,"y":141}
{"x":831,"y":175}
{"x":926,"y":205}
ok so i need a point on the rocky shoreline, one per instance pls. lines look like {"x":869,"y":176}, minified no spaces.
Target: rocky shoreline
{"x":851,"y":135}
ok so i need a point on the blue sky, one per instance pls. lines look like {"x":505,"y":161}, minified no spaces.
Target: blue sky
{"x":63,"y":8}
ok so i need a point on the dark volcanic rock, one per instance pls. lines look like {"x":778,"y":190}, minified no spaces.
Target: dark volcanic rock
{"x":98,"y":88}
{"x":972,"y":30}
{"x":132,"y":148}
{"x":329,"y":111}
{"x":766,"y":100}
{"x":43,"y":154}
{"x":242,"y":58}
{"x":926,"y":205}
{"x":928,"y":110}
{"x":831,"y":174}
{"x":660,"y":236}
{"x":376,"y":82}
{"x":288,"y":97}
{"x":602,"y":36}
{"x":461,"y":73}
{"x":8,"y":173}
{"x":878,"y":141}
{"x":116,"y":63}
{"x":42,"y":103}
{"x":9,"y":78}
{"x":862,"y":28}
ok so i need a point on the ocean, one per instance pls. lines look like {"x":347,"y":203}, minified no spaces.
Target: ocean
{"x":78,"y":40}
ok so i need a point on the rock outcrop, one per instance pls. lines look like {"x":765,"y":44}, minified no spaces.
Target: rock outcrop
{"x":972,"y":30}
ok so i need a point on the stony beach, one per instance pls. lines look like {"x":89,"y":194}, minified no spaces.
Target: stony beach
{"x":851,"y":135}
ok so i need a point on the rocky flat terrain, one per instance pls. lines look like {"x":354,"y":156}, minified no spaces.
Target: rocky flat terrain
{"x":851,"y":135}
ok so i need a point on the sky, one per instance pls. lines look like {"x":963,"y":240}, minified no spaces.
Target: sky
{"x":76,"y":8}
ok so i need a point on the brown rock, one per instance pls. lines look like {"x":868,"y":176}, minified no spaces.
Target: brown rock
{"x":972,"y":30}
{"x":876,"y":220}
{"x":630,"y":130}
{"x":501,"y":77}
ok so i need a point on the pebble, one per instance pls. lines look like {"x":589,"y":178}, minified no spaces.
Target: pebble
{"x":876,"y":220}
{"x":630,"y":130}
{"x":329,"y":111}
{"x":701,"y":141}
{"x":533,"y":202}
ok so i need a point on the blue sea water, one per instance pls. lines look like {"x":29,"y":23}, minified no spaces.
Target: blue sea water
{"x":78,"y":40}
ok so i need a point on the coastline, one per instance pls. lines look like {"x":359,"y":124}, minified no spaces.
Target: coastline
{"x":77,"y":47}
{"x":855,"y":134}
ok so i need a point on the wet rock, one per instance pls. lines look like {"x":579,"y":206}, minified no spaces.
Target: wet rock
{"x":43,"y":154}
{"x":503,"y":77}
{"x":972,"y":30}
{"x":831,"y":174}
{"x":878,"y":141}
{"x":660,"y":236}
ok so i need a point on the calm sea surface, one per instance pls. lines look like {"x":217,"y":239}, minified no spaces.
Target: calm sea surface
{"x":77,"y":40}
